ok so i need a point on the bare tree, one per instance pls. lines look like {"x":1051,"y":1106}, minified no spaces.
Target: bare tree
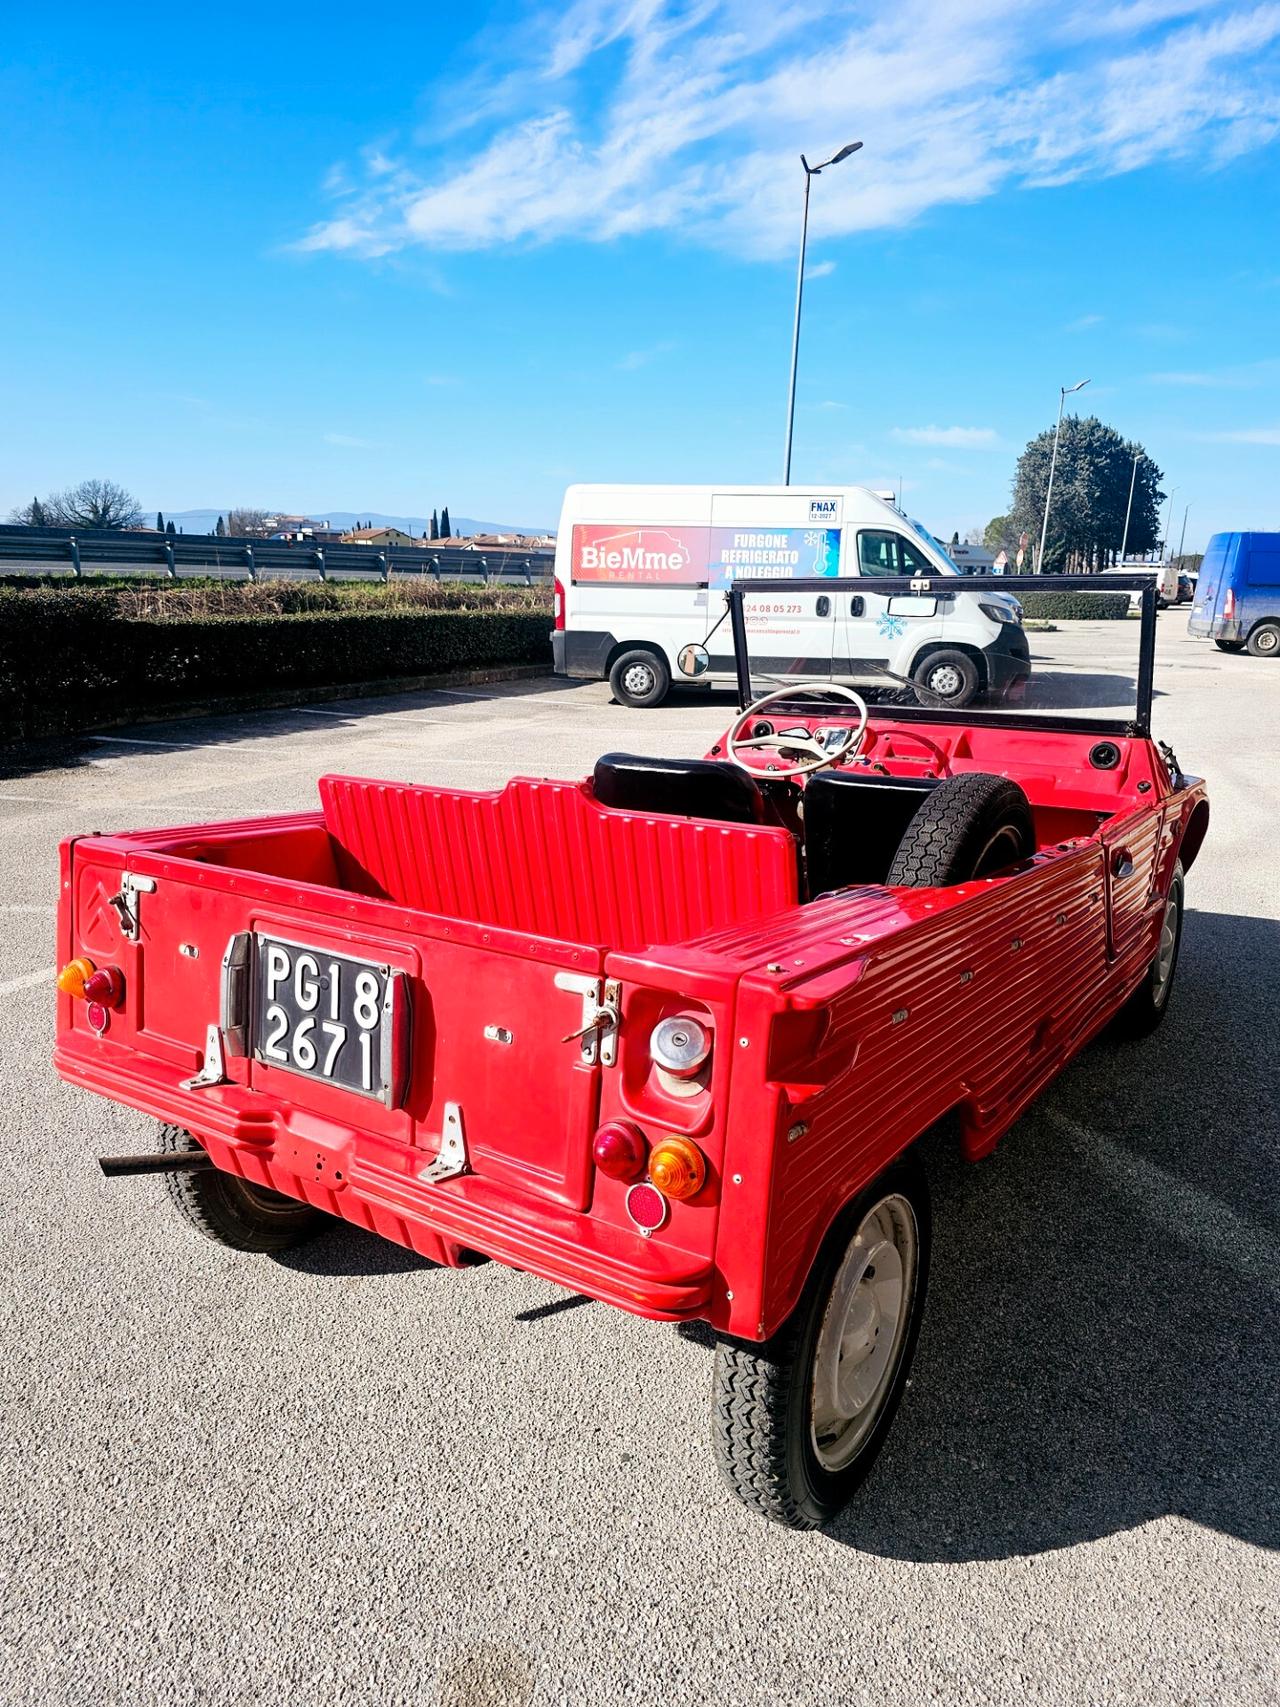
{"x":32,"y":515}
{"x":94,"y":504}
{"x":246,"y":523}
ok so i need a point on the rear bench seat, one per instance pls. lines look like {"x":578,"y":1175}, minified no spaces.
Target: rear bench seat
{"x":547,"y":858}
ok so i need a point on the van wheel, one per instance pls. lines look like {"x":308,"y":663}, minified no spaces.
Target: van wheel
{"x":1264,"y":641}
{"x":233,"y":1211}
{"x":640,"y":678}
{"x":968,"y":826}
{"x":799,"y":1419}
{"x":947,"y":678}
{"x":1229,"y":645}
{"x":1149,"y":1003}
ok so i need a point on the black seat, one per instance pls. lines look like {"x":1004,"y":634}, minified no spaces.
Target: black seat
{"x":682,"y":788}
{"x":853,"y":822}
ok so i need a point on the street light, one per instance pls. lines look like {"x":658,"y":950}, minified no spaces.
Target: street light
{"x":1137,"y":458}
{"x":810,"y":172}
{"x":1168,"y":522}
{"x":1183,"y":540}
{"x":1064,"y":391}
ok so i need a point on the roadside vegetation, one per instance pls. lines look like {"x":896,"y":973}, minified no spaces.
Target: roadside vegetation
{"x":77,"y":657}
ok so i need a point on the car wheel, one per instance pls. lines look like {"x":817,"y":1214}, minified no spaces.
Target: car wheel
{"x":639,"y":678}
{"x":968,"y":826}
{"x":1149,"y":1003}
{"x":1229,"y":645}
{"x":947,"y":678}
{"x":231,"y":1211}
{"x":799,"y":1419}
{"x":1264,"y":641}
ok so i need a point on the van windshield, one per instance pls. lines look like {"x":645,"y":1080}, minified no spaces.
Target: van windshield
{"x":937,"y":545}
{"x":1065,"y":647}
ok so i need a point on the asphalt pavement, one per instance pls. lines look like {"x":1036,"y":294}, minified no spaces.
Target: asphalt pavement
{"x":345,"y":1476}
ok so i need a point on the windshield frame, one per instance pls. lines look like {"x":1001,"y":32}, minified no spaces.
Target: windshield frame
{"x":1143,"y":585}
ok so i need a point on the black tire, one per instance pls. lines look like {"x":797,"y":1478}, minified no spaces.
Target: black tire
{"x":968,"y":826}
{"x":1264,"y":641}
{"x":640,"y":678}
{"x":231,"y":1211}
{"x":763,"y":1430}
{"x":947,"y":679}
{"x":1229,"y":645}
{"x":1149,"y":1003}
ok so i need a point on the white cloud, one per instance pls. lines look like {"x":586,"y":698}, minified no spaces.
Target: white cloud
{"x":625,"y":116}
{"x":1245,"y":436}
{"x":823,"y":270}
{"x":953,"y":438}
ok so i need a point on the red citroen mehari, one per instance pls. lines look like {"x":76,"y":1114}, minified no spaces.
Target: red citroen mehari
{"x":666,"y":1035}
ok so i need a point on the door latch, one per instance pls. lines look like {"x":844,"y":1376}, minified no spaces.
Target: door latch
{"x":126,"y":902}
{"x":601,"y":1016}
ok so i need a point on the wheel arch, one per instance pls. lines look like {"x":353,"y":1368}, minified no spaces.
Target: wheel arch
{"x":1197,"y":828}
{"x":654,"y":647}
{"x":928,"y":647}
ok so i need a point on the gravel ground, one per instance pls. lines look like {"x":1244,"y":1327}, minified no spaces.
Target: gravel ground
{"x":348,"y":1477}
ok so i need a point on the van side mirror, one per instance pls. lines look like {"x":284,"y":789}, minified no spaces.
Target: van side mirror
{"x":693,"y":660}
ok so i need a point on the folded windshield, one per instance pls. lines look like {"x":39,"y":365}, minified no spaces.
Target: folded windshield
{"x":1060,"y":648}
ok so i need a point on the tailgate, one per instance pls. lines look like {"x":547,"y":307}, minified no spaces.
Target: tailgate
{"x":438,"y":1018}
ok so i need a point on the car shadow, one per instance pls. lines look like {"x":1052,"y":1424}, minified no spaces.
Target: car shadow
{"x":1099,"y":1344}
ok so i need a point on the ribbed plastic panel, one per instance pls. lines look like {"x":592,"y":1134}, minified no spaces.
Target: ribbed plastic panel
{"x":544,"y":857}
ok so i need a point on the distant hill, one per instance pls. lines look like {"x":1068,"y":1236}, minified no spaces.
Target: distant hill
{"x":204,"y":521}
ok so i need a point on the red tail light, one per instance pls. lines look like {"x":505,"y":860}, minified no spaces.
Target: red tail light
{"x":1229,"y":605}
{"x":558,"y":596}
{"x":620,"y":1150}
{"x":106,"y":986}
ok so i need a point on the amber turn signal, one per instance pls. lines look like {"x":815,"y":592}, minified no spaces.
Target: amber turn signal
{"x":677,"y":1167}
{"x":74,"y":976}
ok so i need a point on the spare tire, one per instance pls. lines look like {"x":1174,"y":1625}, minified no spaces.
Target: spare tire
{"x":968,"y":826}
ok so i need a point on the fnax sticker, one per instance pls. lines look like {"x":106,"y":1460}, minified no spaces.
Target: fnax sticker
{"x":825,"y":510}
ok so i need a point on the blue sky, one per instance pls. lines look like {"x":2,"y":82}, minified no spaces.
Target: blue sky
{"x":310,"y":257}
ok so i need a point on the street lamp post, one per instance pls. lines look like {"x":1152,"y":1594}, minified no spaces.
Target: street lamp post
{"x":1137,"y":458}
{"x":810,"y":172}
{"x":1168,"y":523}
{"x":1064,"y":391}
{"x":1183,"y":540}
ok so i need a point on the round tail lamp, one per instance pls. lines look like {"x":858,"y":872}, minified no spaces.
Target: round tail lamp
{"x":105,"y":987}
{"x":647,"y":1207}
{"x":74,"y":976}
{"x":619,"y":1150}
{"x":678,"y":1169}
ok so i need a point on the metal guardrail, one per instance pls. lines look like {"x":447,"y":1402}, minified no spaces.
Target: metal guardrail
{"x":82,"y":554}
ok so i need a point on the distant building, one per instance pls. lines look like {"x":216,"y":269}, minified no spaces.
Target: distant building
{"x":301,"y":530}
{"x":378,"y":536}
{"x":973,"y":559}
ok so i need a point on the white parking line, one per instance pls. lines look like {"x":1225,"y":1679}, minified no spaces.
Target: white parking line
{"x":139,"y":741}
{"x":28,"y":981}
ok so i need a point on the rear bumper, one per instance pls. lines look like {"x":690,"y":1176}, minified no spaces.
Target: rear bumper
{"x":582,"y":652}
{"x":1216,"y":628}
{"x":375,"y":1184}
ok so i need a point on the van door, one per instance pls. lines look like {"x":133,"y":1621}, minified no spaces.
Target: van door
{"x":768,"y":535}
{"x":877,"y":629}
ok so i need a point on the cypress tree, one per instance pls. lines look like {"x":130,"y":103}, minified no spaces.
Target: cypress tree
{"x":169,"y":528}
{"x":446,"y":532}
{"x":220,"y":530}
{"x":159,"y":521}
{"x":435,"y":526}
{"x":37,"y":514}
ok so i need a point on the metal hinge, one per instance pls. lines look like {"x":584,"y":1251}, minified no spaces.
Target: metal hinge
{"x":214,"y":1071}
{"x":126,"y":902}
{"x":451,"y":1157}
{"x":601,"y":1016}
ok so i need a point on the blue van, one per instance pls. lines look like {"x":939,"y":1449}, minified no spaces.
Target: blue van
{"x":1237,"y":602}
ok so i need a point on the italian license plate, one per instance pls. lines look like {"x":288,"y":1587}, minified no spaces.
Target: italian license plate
{"x":330,"y":1017}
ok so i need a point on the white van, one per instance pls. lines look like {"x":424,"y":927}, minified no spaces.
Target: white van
{"x":1165,"y":576}
{"x":641,"y":571}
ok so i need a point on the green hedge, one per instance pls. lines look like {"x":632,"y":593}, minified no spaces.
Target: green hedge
{"x":1074,"y":607}
{"x":69,"y":658}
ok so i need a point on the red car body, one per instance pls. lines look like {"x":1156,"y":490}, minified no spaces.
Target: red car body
{"x":841,"y":1027}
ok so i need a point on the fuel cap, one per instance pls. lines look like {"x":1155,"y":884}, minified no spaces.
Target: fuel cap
{"x":680,"y":1046}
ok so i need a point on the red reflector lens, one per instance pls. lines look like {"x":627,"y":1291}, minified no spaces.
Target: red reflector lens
{"x":558,"y":604}
{"x":619,"y":1150}
{"x":97,"y":1016}
{"x":647,"y":1207}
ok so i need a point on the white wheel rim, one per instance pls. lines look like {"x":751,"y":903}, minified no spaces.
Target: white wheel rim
{"x":945,"y":680}
{"x":1167,"y":949}
{"x":637,"y":679}
{"x":863,"y":1331}
{"x":1268,"y":640}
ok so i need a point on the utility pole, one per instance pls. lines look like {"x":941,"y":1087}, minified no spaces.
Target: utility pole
{"x":1064,"y":391}
{"x":1137,"y":458}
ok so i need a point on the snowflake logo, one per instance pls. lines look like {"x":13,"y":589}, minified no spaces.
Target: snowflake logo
{"x":813,"y":538}
{"x":891,"y":627}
